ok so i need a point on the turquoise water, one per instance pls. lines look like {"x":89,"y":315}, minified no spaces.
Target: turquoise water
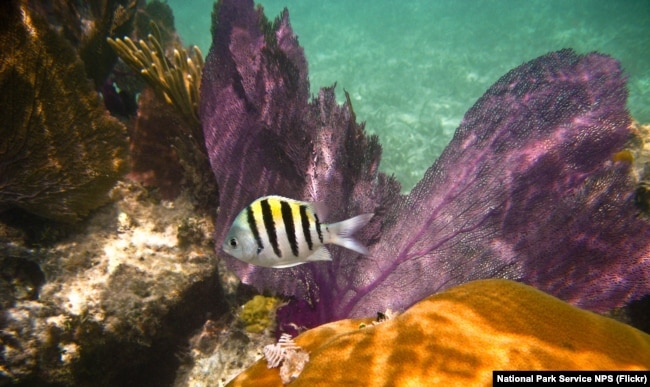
{"x":415,"y":68}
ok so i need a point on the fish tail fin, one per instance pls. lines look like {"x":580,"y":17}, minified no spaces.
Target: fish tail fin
{"x":341,"y":233}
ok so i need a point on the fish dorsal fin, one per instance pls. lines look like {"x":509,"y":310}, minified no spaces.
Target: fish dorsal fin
{"x":320,"y":209}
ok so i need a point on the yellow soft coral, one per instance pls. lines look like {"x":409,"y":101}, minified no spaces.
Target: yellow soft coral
{"x":459,"y":337}
{"x":177,"y":80}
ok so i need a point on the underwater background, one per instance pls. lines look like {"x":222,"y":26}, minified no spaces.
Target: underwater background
{"x":413,"y":69}
{"x":119,"y":178}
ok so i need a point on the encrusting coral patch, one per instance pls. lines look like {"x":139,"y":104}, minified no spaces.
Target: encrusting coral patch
{"x":258,"y":314}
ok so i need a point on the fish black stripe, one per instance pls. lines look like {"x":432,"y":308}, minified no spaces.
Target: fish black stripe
{"x":289,"y":227}
{"x":320,"y":233}
{"x":267,"y":215}
{"x":253,"y":226}
{"x":306,"y":230}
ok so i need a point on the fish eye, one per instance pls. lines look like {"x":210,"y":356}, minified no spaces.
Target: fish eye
{"x":233,"y":243}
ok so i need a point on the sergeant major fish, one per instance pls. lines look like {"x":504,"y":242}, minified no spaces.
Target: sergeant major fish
{"x":274,"y":231}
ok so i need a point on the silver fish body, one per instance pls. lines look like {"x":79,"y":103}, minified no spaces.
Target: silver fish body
{"x":275,"y":231}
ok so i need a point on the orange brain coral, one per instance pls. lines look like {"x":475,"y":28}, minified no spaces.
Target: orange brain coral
{"x":459,"y":337}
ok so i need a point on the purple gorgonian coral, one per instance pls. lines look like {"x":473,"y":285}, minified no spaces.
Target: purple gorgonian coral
{"x":526,"y":190}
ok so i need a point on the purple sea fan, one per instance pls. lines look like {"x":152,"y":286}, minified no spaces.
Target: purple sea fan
{"x":526,"y":189}
{"x":252,"y":98}
{"x":264,"y":137}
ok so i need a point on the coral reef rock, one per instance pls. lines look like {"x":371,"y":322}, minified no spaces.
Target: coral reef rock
{"x":457,"y":337}
{"x":114,"y":304}
{"x":220,"y":352}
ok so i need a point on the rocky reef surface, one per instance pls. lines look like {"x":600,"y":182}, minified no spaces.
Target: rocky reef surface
{"x":112,"y":301}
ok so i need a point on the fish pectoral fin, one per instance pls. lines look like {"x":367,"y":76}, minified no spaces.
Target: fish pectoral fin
{"x":322,"y":254}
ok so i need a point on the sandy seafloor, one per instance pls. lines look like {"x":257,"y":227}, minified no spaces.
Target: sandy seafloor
{"x":413,"y":68}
